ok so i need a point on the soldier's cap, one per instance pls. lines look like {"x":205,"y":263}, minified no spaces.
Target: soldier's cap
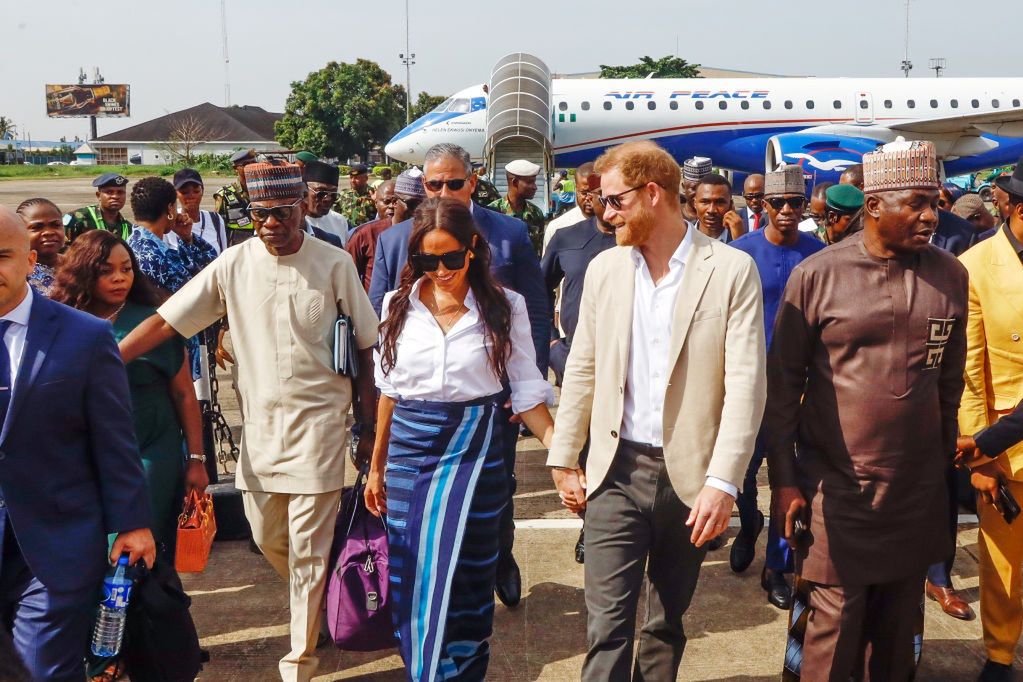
{"x":358,"y":169}
{"x":318,"y":171}
{"x":522,"y":168}
{"x":243,"y":155}
{"x":844,"y":198}
{"x":306,"y":157}
{"x":108,"y":179}
{"x":185,"y":176}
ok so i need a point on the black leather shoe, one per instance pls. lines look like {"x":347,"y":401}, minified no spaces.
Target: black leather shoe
{"x":995,"y":672}
{"x":716,"y":543}
{"x":509,"y":582}
{"x":580,"y":549}
{"x":778,"y":591}
{"x":744,"y":548}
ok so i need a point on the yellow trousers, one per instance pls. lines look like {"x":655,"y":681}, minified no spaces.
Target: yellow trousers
{"x":1001,"y":580}
{"x":295,"y":533}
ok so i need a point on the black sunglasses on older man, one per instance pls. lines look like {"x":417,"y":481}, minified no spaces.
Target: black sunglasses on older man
{"x":281,"y":213}
{"x":454,"y":184}
{"x":429,"y":262}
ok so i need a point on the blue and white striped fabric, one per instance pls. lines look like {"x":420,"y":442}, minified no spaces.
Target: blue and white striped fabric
{"x":446,"y":488}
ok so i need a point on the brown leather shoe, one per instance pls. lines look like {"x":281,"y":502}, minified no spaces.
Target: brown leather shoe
{"x":950,"y":601}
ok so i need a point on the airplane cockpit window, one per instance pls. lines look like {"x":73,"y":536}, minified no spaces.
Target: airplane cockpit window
{"x":443,"y":106}
{"x":722,"y":104}
{"x":562,"y":106}
{"x":673,"y":105}
{"x":699,"y":105}
{"x":788,"y":104}
{"x":607,"y":106}
{"x":810,"y":104}
{"x":995,"y":103}
{"x":630,"y":105}
{"x":651,"y":105}
{"x":585,"y":106}
{"x":975,"y":103}
{"x":459,"y":106}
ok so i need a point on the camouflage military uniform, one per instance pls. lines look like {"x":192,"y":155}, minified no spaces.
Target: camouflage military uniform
{"x":357,"y":208}
{"x":88,"y":218}
{"x":531,"y":215}
{"x":231,"y":202}
{"x":485,"y":193}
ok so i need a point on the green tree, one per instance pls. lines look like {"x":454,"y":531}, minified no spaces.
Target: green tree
{"x":665,"y":67}
{"x":7,"y":127}
{"x":424,"y":104}
{"x":341,"y":110}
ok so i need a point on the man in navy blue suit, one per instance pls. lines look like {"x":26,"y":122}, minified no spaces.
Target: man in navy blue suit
{"x":448,"y":172}
{"x":67,"y":478}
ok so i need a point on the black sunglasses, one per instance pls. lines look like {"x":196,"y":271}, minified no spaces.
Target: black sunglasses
{"x":753,"y":197}
{"x":778,"y":203}
{"x":323,"y":194}
{"x":429,"y":262}
{"x":454,"y":185}
{"x":615,"y":200}
{"x":281,"y":213}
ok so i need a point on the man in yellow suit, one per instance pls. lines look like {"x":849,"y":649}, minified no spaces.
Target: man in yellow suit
{"x":994,"y":385}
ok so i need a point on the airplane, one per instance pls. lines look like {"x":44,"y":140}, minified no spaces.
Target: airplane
{"x":824,"y":125}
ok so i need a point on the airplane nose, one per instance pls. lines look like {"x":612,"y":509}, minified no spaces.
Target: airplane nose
{"x":406,"y":148}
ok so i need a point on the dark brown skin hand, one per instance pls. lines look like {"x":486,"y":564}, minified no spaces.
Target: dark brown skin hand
{"x":787,"y":505}
{"x":985,"y":479}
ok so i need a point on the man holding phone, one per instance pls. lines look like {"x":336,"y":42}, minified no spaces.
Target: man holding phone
{"x":865,"y":389}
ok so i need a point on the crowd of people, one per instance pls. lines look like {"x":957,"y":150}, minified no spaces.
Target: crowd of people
{"x":861,"y":338}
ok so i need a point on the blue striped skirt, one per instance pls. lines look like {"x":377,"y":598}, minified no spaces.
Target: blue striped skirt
{"x":446,"y":488}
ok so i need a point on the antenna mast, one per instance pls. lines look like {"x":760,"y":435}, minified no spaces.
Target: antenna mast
{"x":907,"y":65}
{"x":227,"y":58}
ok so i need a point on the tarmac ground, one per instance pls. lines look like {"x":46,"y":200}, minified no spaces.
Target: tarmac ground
{"x":240,"y":605}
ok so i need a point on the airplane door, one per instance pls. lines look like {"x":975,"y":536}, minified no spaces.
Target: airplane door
{"x":864,"y":108}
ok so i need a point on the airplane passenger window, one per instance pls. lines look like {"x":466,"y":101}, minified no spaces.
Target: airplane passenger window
{"x":975,"y":103}
{"x":562,"y":106}
{"x":767,"y":104}
{"x":864,"y":103}
{"x":630,"y":105}
{"x":722,"y":104}
{"x":744,"y":104}
{"x":651,"y":105}
{"x":995,"y":103}
{"x":699,"y":105}
{"x":585,"y":106}
{"x":810,"y":104}
{"x":887,"y":104}
{"x":954,"y":103}
{"x":911,"y":104}
{"x":788,"y":104}
{"x":838,"y":103}
{"x":607,"y":106}
{"x":1015,"y":103}
{"x":460,"y":105}
{"x":673,"y":105}
{"x":934,"y":104}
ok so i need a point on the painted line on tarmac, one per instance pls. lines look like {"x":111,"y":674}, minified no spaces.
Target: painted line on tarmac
{"x":567,"y":524}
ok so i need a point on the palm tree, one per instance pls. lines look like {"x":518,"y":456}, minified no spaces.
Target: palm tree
{"x":7,"y":128}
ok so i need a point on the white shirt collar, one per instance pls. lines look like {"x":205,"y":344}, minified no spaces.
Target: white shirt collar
{"x":22,"y":312}
{"x":677,"y":258}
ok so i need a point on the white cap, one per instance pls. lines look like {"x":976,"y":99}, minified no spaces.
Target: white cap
{"x":522,"y":168}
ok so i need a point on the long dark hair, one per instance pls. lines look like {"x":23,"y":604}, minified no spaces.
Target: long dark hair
{"x":79,"y":270}
{"x":495,"y":311}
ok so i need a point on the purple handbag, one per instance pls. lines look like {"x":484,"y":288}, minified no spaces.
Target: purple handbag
{"x":358,"y":602}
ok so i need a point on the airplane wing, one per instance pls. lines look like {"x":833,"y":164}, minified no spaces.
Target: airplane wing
{"x":1006,"y":123}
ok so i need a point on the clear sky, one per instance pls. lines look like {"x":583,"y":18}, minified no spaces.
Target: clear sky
{"x":170,"y":51}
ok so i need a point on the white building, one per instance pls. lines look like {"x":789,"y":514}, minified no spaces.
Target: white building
{"x":202,"y":129}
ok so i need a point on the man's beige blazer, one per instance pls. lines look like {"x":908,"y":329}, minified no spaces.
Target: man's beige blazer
{"x":716,"y":389}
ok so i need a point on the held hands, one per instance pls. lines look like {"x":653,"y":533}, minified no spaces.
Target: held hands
{"x":710,"y":515}
{"x":788,"y":505}
{"x":138,"y":543}
{"x":571,"y":485}
{"x":375,"y":493}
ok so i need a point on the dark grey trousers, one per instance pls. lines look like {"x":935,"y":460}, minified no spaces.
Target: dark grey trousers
{"x":635,"y":521}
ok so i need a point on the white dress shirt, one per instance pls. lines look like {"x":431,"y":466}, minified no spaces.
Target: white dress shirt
{"x":17,"y":332}
{"x":334,"y":223}
{"x":653,"y":315}
{"x":751,"y":219}
{"x":454,"y":367}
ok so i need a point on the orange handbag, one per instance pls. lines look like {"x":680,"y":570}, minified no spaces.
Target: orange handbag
{"x":197,"y":527}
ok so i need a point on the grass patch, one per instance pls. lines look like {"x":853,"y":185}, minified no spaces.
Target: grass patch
{"x":32,"y":172}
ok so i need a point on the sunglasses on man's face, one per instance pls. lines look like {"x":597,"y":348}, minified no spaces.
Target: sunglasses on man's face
{"x":454,"y":184}
{"x":795,"y":203}
{"x":753,"y":197}
{"x":323,"y":194}
{"x":429,"y":262}
{"x":258,"y":214}
{"x":615,"y":200}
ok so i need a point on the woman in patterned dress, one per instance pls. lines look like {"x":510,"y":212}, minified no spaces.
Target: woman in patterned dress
{"x":45,"y":225}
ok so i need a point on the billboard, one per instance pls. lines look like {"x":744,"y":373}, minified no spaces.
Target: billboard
{"x":74,"y":101}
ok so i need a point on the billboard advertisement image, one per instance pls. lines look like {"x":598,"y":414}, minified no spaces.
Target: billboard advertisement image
{"x":73,"y":101}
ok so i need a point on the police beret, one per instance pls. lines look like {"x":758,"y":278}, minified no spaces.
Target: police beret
{"x":106,"y":179}
{"x":243,"y":155}
{"x":522,"y":168}
{"x":844,"y":198}
{"x":306,"y":157}
{"x":358,"y":169}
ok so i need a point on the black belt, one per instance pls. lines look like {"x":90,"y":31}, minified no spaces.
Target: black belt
{"x":644,"y":448}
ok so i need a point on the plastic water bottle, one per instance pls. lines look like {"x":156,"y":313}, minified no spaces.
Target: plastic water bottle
{"x":109,"y":629}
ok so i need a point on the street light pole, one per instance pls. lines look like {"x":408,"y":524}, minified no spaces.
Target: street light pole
{"x":907,"y":65}
{"x":408,"y":59}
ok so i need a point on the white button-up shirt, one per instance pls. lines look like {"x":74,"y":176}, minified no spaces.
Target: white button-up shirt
{"x":454,"y":367}
{"x":17,"y":332}
{"x":653,"y":315}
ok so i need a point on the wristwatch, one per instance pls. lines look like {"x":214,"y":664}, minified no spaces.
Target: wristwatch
{"x":201,"y":458}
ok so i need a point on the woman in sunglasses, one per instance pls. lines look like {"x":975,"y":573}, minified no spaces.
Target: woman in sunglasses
{"x":450,"y":334}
